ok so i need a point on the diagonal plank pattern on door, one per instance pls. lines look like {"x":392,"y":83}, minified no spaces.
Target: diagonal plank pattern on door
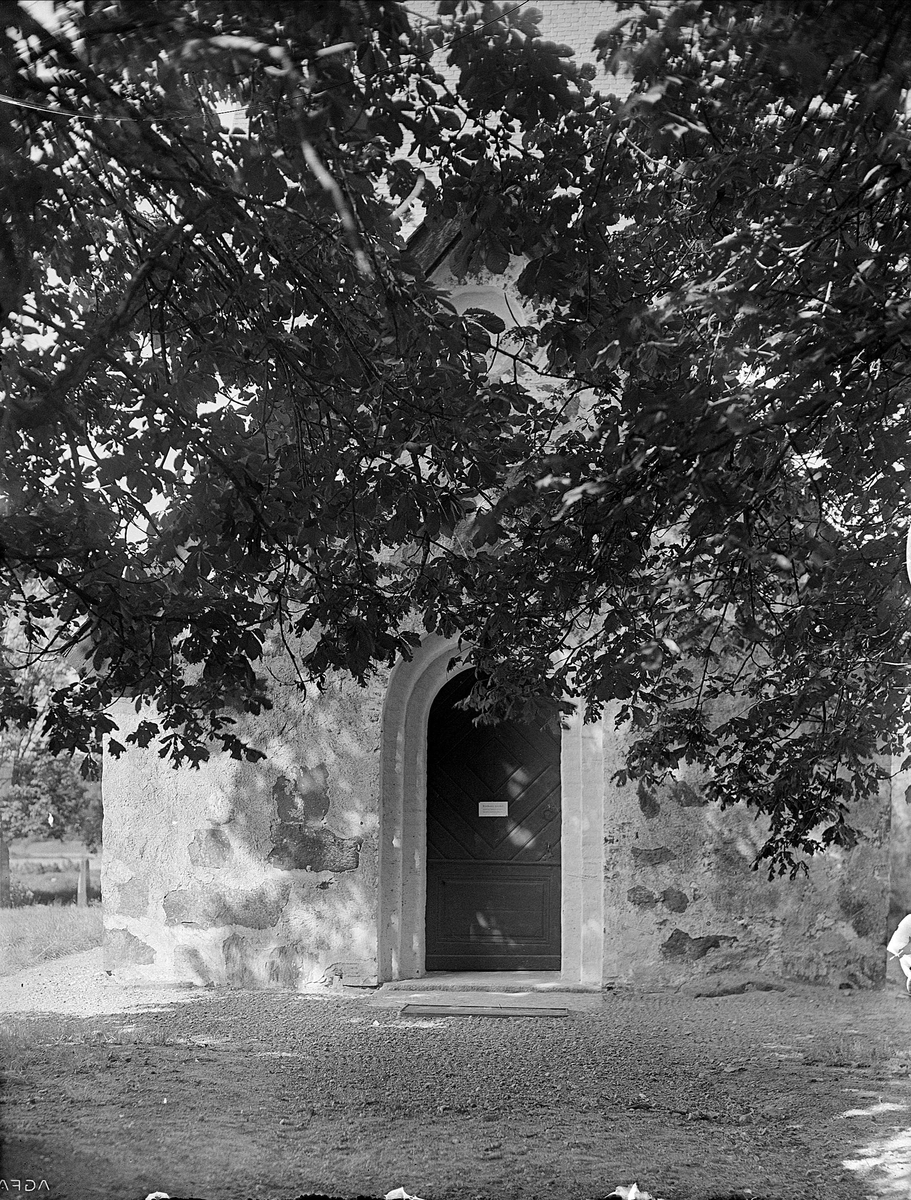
{"x":493,"y":881}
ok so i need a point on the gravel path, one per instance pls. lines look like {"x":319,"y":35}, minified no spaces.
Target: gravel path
{"x":228,"y":1094}
{"x":78,"y":986}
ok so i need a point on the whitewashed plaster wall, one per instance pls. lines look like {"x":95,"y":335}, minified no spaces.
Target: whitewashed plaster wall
{"x":249,"y":874}
{"x":682,"y":902}
{"x":269,"y":874}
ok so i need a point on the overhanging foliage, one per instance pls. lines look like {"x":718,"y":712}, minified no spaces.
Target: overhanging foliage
{"x":237,"y":408}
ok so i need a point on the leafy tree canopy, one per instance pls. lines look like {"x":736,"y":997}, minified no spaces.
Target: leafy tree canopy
{"x":42,"y":795}
{"x":235,"y":407}
{"x":48,"y":798}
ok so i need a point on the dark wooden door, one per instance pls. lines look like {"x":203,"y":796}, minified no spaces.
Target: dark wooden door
{"x":493,"y":881}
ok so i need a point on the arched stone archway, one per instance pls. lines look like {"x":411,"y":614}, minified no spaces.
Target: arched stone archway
{"x":403,"y":822}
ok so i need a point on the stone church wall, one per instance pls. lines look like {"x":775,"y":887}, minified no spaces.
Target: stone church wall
{"x":268,"y":874}
{"x":244,"y":874}
{"x":684,"y":906}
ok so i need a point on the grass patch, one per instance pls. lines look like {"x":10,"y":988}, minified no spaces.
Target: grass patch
{"x":29,"y":1044}
{"x":849,"y":1050}
{"x":26,"y":1033}
{"x":37,"y":934}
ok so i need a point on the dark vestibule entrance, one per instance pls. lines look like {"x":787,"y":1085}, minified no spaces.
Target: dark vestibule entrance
{"x":493,"y":841}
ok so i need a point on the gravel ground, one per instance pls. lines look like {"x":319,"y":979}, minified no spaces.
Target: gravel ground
{"x":763,"y":1095}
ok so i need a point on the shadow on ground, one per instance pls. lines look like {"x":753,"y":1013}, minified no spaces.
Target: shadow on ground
{"x":271,"y":1094}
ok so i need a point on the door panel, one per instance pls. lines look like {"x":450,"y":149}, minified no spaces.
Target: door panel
{"x":493,"y":882}
{"x":493,"y":916}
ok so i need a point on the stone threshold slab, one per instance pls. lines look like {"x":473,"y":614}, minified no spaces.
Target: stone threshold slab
{"x":512,"y":982}
{"x":481,"y":1010}
{"x":470,"y":998}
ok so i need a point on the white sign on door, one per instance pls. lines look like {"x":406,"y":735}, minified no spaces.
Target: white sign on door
{"x":493,"y":808}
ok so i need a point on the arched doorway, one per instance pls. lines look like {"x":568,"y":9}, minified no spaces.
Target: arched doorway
{"x":402,"y":859}
{"x":493,"y":840}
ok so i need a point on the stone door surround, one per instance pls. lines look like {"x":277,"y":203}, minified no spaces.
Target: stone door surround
{"x":403,"y":820}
